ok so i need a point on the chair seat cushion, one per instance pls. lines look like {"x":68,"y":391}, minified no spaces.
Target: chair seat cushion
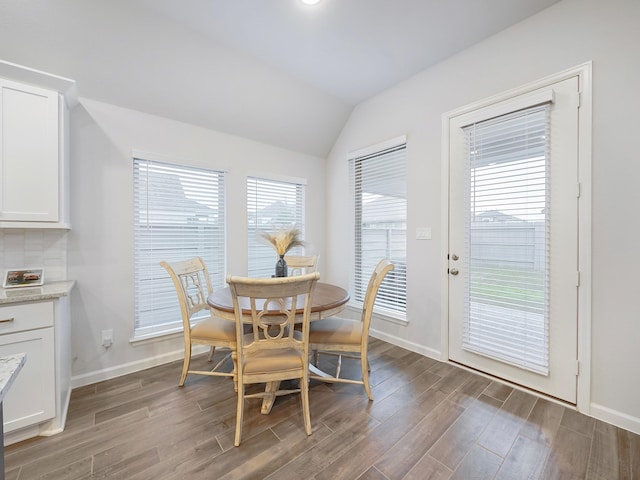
{"x":214,"y":328}
{"x":267,"y":361}
{"x":335,"y":331}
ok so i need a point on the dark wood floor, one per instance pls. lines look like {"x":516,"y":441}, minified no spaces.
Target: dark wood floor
{"x":429,"y":420}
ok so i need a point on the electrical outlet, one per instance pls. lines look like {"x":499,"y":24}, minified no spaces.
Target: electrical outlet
{"x":107,"y":338}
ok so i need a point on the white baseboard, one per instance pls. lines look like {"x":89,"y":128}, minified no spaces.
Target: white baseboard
{"x":65,"y":408}
{"x":616,"y":418}
{"x":131,"y":367}
{"x":21,"y":434}
{"x":401,"y":342}
{"x":56,"y":425}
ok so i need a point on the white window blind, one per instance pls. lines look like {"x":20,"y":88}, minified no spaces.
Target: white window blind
{"x":508,"y":241}
{"x":379,"y":183}
{"x":179,"y":214}
{"x":272,"y":205}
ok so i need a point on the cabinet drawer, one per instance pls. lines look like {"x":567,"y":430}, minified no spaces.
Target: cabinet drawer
{"x":26,"y":316}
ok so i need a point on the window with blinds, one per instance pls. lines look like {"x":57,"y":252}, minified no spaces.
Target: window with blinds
{"x":379,"y":193}
{"x":272,"y":205}
{"x":508,"y":239}
{"x":179,"y":213}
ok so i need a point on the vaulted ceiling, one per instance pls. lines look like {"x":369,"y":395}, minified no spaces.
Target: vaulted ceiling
{"x":275,"y":71}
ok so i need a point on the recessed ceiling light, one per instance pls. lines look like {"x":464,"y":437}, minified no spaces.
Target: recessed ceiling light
{"x":310,"y":2}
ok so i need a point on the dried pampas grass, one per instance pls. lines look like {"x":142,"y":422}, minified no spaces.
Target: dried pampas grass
{"x":284,"y":240}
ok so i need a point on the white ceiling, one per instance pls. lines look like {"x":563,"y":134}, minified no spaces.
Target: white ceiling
{"x":351,"y":49}
{"x":275,"y":71}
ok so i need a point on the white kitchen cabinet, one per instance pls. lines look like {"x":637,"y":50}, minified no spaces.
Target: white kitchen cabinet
{"x":32,"y":398}
{"x":29,"y":149}
{"x":35,"y":321}
{"x":33,"y":149}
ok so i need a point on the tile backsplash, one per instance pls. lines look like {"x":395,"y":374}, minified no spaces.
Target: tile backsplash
{"x":29,"y":248}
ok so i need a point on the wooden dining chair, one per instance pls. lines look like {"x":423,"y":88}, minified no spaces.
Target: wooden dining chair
{"x":273,"y":350}
{"x":349,"y":338}
{"x":193,"y":285}
{"x":301,"y":264}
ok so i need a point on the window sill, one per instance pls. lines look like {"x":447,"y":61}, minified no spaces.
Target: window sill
{"x":156,"y":337}
{"x":386,"y":315}
{"x":398,"y":320}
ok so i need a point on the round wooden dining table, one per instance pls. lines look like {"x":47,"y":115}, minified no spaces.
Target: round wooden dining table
{"x":327,"y":301}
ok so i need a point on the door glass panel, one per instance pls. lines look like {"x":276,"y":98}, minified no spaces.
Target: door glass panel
{"x":506,"y":293}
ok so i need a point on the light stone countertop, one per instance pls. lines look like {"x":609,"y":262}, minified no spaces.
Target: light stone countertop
{"x":9,"y":368}
{"x":34,"y":294}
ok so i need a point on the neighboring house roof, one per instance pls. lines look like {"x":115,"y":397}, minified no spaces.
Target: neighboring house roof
{"x":496,"y":216}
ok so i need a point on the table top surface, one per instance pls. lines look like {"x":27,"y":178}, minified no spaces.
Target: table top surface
{"x":325,"y":297}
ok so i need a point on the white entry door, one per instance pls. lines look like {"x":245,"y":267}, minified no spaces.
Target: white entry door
{"x":513,"y":239}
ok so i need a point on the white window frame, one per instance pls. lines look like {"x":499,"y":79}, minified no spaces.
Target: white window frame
{"x":261,"y":257}
{"x":198,"y":232}
{"x":394,"y":286}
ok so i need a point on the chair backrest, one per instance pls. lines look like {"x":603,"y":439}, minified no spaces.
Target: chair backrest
{"x":193,"y":285}
{"x":384,"y":266}
{"x":273,"y":305}
{"x":301,"y":264}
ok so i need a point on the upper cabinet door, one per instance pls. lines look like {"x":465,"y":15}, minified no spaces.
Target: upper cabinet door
{"x":29,"y":154}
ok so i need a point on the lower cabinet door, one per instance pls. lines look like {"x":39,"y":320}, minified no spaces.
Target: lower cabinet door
{"x":31,"y":398}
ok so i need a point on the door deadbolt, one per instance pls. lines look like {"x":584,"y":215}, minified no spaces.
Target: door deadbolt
{"x":454,"y":257}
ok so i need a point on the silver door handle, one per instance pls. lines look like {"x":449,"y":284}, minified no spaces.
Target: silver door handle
{"x":454,"y":271}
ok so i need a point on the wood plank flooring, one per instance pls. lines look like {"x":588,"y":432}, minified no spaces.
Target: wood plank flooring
{"x":429,"y":420}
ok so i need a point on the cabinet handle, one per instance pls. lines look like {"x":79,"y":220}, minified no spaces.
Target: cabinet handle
{"x":7,"y":320}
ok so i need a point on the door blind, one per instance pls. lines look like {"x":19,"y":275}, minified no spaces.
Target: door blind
{"x":179,"y":213}
{"x":508,"y":239}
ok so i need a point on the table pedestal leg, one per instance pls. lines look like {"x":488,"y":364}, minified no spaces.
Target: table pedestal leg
{"x":270,"y":397}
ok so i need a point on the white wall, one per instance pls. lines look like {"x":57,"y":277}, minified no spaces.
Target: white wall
{"x":563,"y":36}
{"x":101,"y":240}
